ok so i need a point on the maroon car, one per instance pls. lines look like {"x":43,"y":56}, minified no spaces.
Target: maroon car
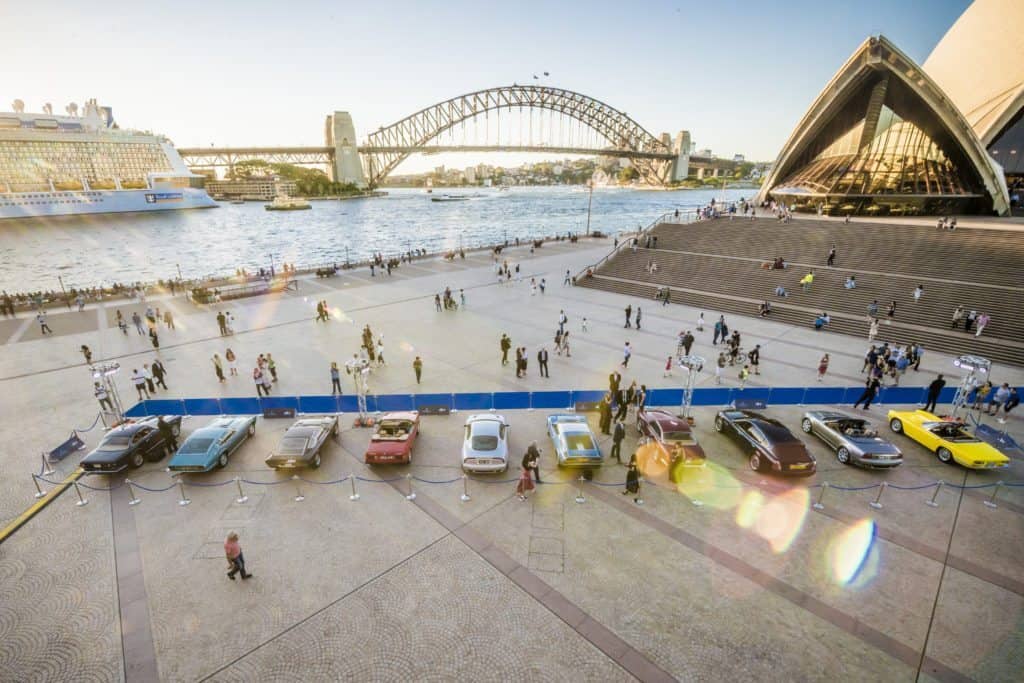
{"x":393,"y":439}
{"x":675,"y":446}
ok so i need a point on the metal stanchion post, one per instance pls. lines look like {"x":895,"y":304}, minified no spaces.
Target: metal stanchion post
{"x":412,"y":494}
{"x":81,"y":501}
{"x":47,"y":470}
{"x":938,"y":487}
{"x":877,"y":502}
{"x":134,"y":500}
{"x":465,"y":489}
{"x":39,"y":491}
{"x":181,"y":487}
{"x":579,"y":491}
{"x":991,"y":502}
{"x":241,"y":494}
{"x":298,"y":490}
{"x":817,"y":504}
{"x":355,"y":494}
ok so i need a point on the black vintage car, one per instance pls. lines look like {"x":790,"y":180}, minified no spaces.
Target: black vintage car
{"x":771,"y":446}
{"x":130,"y":444}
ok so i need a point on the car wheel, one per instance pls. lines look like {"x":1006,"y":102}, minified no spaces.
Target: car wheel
{"x":755,"y":462}
{"x":316,"y":461}
{"x":843,"y":455}
{"x":896,"y":425}
{"x":176,"y":429}
{"x":252,"y":429}
{"x":806,"y":425}
{"x":944,"y":455}
{"x":719,"y":424}
{"x":222,"y":460}
{"x":137,"y":459}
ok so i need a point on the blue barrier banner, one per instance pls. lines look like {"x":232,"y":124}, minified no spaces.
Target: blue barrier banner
{"x":786,"y":396}
{"x":851,"y":394}
{"x":824,"y":395}
{"x":432,"y":400}
{"x":205,"y":406}
{"x":762,"y":394}
{"x":999,"y":440}
{"x":67,"y":448}
{"x":164,"y":406}
{"x":946,"y":395}
{"x":511,"y":400}
{"x":587,"y":396}
{"x":245,"y":405}
{"x":371,"y":404}
{"x":137,"y":410}
{"x":274,"y":402}
{"x":901,"y":395}
{"x":472,"y":401}
{"x":395,"y":402}
{"x":547,"y":400}
{"x":348,"y":404}
{"x":318,"y":404}
{"x":665,"y":397}
{"x":711,"y":397}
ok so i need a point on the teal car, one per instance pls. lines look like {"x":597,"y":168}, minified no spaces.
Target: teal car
{"x":210,"y":446}
{"x":575,"y":445}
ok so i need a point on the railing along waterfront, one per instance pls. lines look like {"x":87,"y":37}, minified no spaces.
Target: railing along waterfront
{"x":627,"y":239}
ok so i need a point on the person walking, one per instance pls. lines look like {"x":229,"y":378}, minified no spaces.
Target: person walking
{"x":417,"y":367}
{"x":627,"y":351}
{"x":44,"y":329}
{"x":139,"y":380}
{"x":154,"y":339}
{"x":633,"y":480}
{"x":222,"y":323}
{"x":565,"y":344}
{"x":688,"y":340}
{"x":87,"y":352}
{"x":169,"y":319}
{"x":562,"y":320}
{"x":618,"y":434}
{"x":335,"y":379}
{"x":982,"y":321}
{"x":891,"y":313}
{"x":272,"y":366}
{"x":872,"y":329}
{"x":137,"y":321}
{"x":1012,"y":401}
{"x":218,"y":367}
{"x":700,"y":322}
{"x":668,"y":367}
{"x":542,"y":361}
{"x":831,"y":261}
{"x":232,"y":360}
{"x":822,"y":367}
{"x":380,"y":350}
{"x":567,"y":280}
{"x":918,"y":291}
{"x":525,"y":484}
{"x":236,"y":560}
{"x":101,"y":394}
{"x":505,"y":345}
{"x":969,"y":320}
{"x":871,"y":389}
{"x":744,"y":375}
{"x":719,"y":367}
{"x":755,"y":359}
{"x":1001,"y":395}
{"x":639,"y":313}
{"x":934,"y":389}
{"x":531,"y":460}
{"x":159,"y":372}
{"x":257,"y":378}
{"x":605,"y":412}
{"x":958,"y":315}
{"x":629,"y":315}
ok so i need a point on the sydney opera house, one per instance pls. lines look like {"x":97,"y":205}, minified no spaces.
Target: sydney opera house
{"x":887,"y":136}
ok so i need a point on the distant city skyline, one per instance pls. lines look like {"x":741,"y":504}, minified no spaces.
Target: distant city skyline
{"x":737,"y":75}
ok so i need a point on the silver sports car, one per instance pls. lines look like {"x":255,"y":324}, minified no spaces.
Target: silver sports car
{"x":485,"y":445}
{"x":853,"y":439}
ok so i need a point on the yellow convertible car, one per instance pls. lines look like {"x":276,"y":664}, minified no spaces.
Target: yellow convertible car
{"x":948,"y":440}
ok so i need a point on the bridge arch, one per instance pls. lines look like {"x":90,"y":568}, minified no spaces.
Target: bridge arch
{"x":389,"y":146}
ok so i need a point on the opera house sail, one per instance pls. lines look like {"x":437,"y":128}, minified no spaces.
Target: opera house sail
{"x":882,"y":139}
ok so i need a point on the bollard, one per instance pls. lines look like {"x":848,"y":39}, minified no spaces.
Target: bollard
{"x":241,"y":494}
{"x":817,"y":504}
{"x":39,"y":492}
{"x":465,"y":489}
{"x":991,"y":502}
{"x":579,"y":491}
{"x":81,"y":501}
{"x":412,"y":494}
{"x":355,"y":494}
{"x":938,"y":487}
{"x":298,"y":490}
{"x":47,"y":470}
{"x":184,"y":501}
{"x":877,"y":502}
{"x":133,"y":499}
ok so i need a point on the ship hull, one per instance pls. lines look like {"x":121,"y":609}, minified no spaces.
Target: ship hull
{"x":83,"y":203}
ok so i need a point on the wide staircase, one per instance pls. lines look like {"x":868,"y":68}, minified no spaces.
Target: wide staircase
{"x":716,"y":265}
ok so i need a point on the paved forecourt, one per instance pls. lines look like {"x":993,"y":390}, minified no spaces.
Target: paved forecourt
{"x":493,"y":586}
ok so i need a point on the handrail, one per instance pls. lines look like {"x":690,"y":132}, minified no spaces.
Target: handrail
{"x":684,"y":217}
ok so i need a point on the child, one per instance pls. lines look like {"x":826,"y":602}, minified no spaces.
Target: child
{"x":668,"y":367}
{"x":584,"y":324}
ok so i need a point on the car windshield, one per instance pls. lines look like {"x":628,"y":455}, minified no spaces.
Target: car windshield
{"x":114,"y":443}
{"x":679,"y":437}
{"x":196,"y":446}
{"x":292,"y":445}
{"x":484,"y":442}
{"x":394,"y":429}
{"x":579,"y":442}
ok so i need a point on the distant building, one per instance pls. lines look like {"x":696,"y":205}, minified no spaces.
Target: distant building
{"x":470,"y":174}
{"x":738,"y":158}
{"x":258,"y":187}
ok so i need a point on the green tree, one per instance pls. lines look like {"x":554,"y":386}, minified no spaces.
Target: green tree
{"x":627,"y":174}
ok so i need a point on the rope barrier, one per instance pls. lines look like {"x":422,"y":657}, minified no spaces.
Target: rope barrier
{"x":380,"y":481}
{"x":91,"y":427}
{"x":853,"y":488}
{"x":101,"y":488}
{"x":48,"y":481}
{"x":913,"y":488}
{"x":495,"y":481}
{"x":446,"y":481}
{"x":335,"y":481}
{"x":598,"y":483}
{"x":144,"y":488}
{"x":974,"y":486}
{"x":266,"y":483}
{"x":210,"y":484}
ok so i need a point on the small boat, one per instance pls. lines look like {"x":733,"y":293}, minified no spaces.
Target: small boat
{"x":238,"y":201}
{"x":285,"y":203}
{"x":450,"y":198}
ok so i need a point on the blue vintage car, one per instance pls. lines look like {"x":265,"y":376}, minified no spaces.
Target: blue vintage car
{"x":575,"y":445}
{"x":210,"y":446}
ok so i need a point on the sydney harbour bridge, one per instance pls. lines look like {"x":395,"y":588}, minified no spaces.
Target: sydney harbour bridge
{"x":516,"y":118}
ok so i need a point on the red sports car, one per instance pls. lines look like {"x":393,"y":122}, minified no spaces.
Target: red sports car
{"x":393,"y":439}
{"x":667,"y":445}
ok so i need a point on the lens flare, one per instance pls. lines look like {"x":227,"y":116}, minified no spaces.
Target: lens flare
{"x":652,"y":461}
{"x":848,"y":551}
{"x":712,"y":484}
{"x":749,"y":508}
{"x":406,"y":346}
{"x":779,"y":521}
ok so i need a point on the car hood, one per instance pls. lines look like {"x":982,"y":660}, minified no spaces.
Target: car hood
{"x":190,"y":459}
{"x":104,"y":457}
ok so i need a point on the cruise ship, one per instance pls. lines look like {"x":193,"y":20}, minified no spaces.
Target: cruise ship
{"x":83,"y":163}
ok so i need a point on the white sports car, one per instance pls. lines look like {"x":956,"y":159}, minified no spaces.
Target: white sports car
{"x":485,"y":445}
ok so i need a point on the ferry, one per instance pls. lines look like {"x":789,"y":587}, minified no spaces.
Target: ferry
{"x":83,"y":164}
{"x":450,"y":198}
{"x":285,"y":203}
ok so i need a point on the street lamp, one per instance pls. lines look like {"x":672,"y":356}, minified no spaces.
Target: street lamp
{"x":590,"y":201}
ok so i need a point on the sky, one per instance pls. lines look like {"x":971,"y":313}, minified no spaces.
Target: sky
{"x":737,"y":74}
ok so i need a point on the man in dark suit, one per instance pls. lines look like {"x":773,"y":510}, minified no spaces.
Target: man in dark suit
{"x":606,"y":414}
{"x":622,"y":399}
{"x":614,"y":380}
{"x":934,"y":389}
{"x":542,"y":361}
{"x":617,"y":436}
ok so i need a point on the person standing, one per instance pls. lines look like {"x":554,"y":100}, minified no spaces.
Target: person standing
{"x":218,"y":367}
{"x":934,"y":389}
{"x":158,"y":371}
{"x":417,"y":367}
{"x":891,"y":313}
{"x":232,"y":360}
{"x":169,"y":319}
{"x":222,"y":323}
{"x":43,"y":327}
{"x":1012,"y":401}
{"x":639,"y":313}
{"x":139,"y":380}
{"x":154,"y":339}
{"x":983,"y":321}
{"x":918,"y":291}
{"x":542,"y":361}
{"x":101,"y":394}
{"x":236,"y":560}
{"x":627,"y":351}
{"x":272,"y":366}
{"x":614,"y":380}
{"x":87,"y":352}
{"x":872,"y":329}
{"x":633,"y":480}
{"x":958,"y":315}
{"x":618,"y":435}
{"x":744,"y":375}
{"x":822,"y":367}
{"x":1001,"y":395}
{"x":167,"y":433}
{"x":622,"y":400}
{"x":257,"y":378}
{"x":525,"y":484}
{"x":755,"y":359}
{"x":629,"y":315}
{"x":700,"y":322}
{"x":562,"y":320}
{"x":688,"y":342}
{"x":873,"y":308}
{"x":531,"y":461}
{"x":605,"y":411}
{"x":918,"y":351}
{"x":668,"y":367}
{"x":969,"y":320}
{"x":335,"y":379}
{"x":831,"y":257}
{"x":267,"y":381}
{"x":718,"y":332}
{"x":719,"y":367}
{"x":505,"y":345}
{"x":870,"y":392}
{"x":567,"y":280}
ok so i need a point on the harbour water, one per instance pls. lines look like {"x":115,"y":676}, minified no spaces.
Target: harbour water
{"x":97,"y":250}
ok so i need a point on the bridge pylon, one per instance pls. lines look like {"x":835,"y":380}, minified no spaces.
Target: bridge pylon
{"x":340,"y":133}
{"x":681,"y":164}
